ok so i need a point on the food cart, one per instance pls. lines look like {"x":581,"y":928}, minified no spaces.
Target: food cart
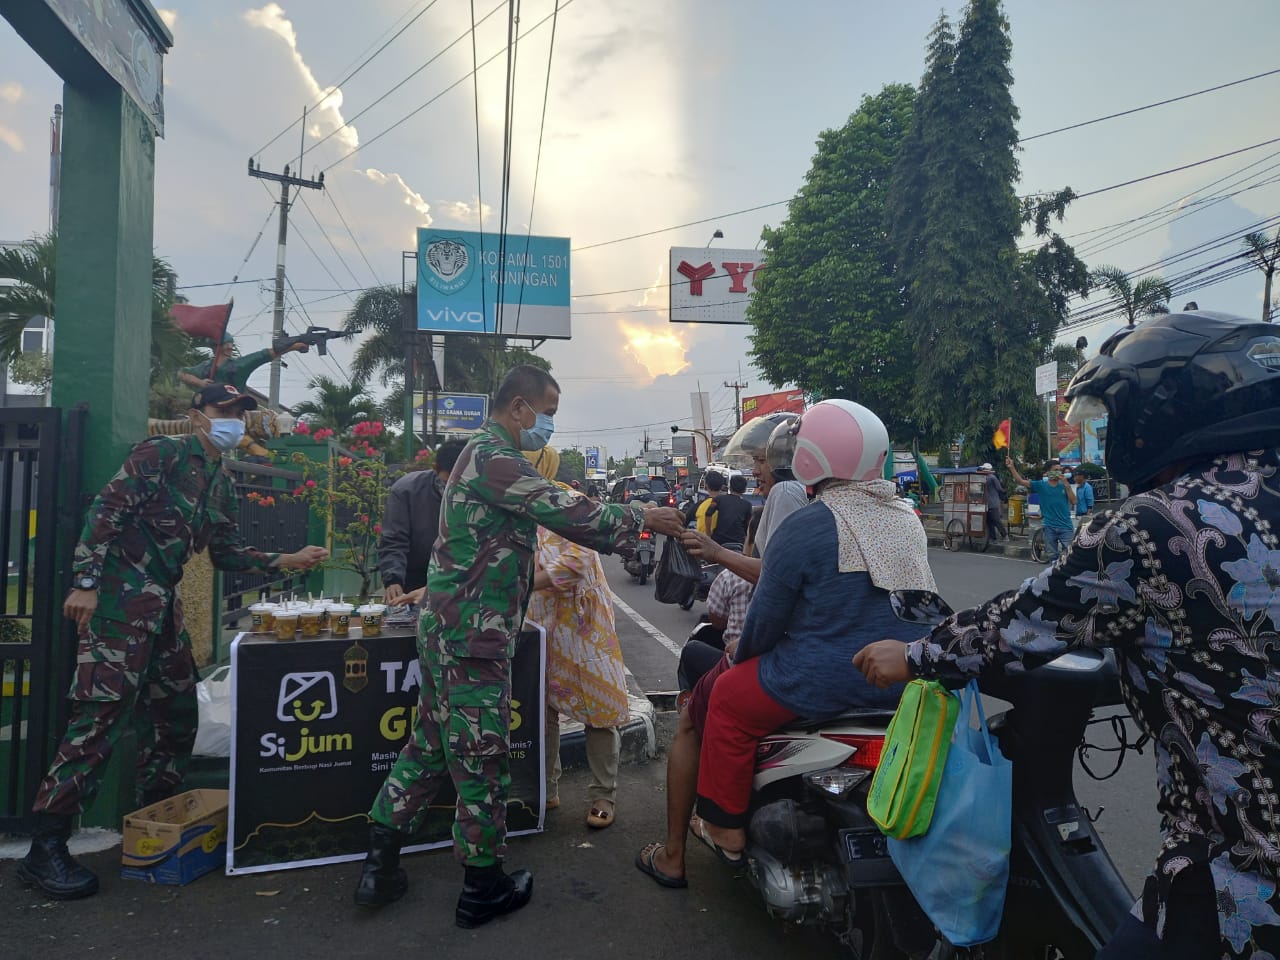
{"x":964,"y":510}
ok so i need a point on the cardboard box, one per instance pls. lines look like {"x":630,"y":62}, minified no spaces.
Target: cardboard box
{"x":176,"y":840}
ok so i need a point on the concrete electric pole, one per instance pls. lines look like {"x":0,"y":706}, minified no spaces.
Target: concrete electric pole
{"x":277,"y":315}
{"x":737,"y":389}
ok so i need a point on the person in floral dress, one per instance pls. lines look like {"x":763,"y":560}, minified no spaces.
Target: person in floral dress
{"x":1182,"y":581}
{"x":586,"y":678}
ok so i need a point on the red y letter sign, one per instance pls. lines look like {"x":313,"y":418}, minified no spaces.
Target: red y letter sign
{"x":696,"y":275}
{"x":738,"y":273}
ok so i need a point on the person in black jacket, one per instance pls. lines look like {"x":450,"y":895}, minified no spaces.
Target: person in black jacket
{"x":411,"y":522}
{"x":732,"y":512}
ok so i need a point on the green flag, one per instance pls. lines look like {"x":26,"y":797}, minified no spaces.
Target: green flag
{"x":928,"y":482}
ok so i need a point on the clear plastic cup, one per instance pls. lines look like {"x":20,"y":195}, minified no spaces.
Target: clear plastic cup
{"x":370,"y":615}
{"x":286,"y":624}
{"x":339,"y":618}
{"x":309,"y":621}
{"x":263,"y":616}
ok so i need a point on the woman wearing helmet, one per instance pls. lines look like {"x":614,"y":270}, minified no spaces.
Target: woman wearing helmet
{"x":823,"y":594}
{"x":1182,"y":580}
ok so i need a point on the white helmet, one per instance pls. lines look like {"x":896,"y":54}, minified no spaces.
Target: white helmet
{"x":840,"y":440}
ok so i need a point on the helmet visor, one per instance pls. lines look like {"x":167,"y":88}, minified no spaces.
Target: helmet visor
{"x":1085,"y":408}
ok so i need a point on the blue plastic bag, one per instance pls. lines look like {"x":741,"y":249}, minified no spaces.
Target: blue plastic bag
{"x":959,"y":869}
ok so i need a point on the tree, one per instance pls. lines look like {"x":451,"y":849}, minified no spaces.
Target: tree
{"x":472,"y":364}
{"x":1148,"y":297}
{"x":828,"y":314}
{"x":980,"y":313}
{"x":573,"y":466}
{"x":1264,"y":253}
{"x":336,"y":406}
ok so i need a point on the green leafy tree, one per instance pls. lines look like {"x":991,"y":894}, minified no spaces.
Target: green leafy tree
{"x":1264,"y":252}
{"x":472,"y":364}
{"x":573,"y":466}
{"x":336,"y":406}
{"x":829,"y":313}
{"x":32,"y":369}
{"x":1148,"y":297}
{"x":980,"y":312}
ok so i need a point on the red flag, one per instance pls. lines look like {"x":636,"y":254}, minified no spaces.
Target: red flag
{"x":1001,"y":438}
{"x":208,"y":322}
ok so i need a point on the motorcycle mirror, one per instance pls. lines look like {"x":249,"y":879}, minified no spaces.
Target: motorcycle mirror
{"x":919,"y":606}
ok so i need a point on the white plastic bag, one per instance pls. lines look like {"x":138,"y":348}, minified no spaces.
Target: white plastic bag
{"x":213,"y":736}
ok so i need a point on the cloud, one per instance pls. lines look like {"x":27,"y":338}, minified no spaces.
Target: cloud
{"x":170,"y":17}
{"x":412,"y":198}
{"x":464,"y":212}
{"x":11,"y":140}
{"x":272,"y":19}
{"x":655,"y":346}
{"x":11,"y":92}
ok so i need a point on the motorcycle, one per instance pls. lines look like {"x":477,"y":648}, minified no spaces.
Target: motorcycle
{"x":641,"y":565}
{"x":815,"y":857}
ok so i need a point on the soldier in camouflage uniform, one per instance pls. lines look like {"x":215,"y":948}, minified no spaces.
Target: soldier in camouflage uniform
{"x":134,"y":664}
{"x":477,"y":588}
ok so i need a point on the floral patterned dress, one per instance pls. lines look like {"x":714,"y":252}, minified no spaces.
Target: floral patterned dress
{"x":1184,"y":583}
{"x":586,"y":679}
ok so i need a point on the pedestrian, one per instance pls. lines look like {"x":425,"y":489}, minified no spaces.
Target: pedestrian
{"x":1057,"y":501}
{"x":1084,"y":499}
{"x":1179,"y":580}
{"x":996,"y":497}
{"x":730,"y":513}
{"x":586,"y":678}
{"x":477,"y":587}
{"x":134,"y":665}
{"x":226,"y":367}
{"x":699,"y":509}
{"x":411,"y":521}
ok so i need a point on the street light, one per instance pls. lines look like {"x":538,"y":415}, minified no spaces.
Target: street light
{"x":718,"y":235}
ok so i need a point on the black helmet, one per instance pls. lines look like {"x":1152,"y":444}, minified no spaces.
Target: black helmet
{"x":1181,"y":387}
{"x":752,"y":438}
{"x":781,"y":449}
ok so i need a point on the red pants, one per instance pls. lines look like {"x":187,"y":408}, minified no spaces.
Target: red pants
{"x":740,"y":714}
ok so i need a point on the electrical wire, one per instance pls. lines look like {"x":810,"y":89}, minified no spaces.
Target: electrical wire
{"x":329,"y":240}
{"x":328,"y":192}
{"x":337,"y":86}
{"x":253,"y":246}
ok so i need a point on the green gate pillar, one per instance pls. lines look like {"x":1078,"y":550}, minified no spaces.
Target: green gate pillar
{"x":102,"y":352}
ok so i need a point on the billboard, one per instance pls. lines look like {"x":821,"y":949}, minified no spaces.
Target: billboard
{"x":782,"y":401}
{"x":459,"y":275}
{"x":455,"y":412}
{"x":712,"y":285}
{"x":1068,"y":443}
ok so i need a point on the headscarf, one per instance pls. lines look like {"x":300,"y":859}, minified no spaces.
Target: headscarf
{"x":879,"y":533}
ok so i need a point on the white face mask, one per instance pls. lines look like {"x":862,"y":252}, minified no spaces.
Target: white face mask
{"x":224,"y":434}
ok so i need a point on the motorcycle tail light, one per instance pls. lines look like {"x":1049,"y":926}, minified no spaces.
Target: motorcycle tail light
{"x":646,"y":534}
{"x":866,"y":748}
{"x":835,"y":782}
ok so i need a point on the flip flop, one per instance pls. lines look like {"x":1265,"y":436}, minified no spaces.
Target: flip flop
{"x":730,"y":858}
{"x":646,"y":865}
{"x":599,"y":817}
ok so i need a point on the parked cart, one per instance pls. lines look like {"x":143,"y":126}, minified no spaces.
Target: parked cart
{"x":964,"y":510}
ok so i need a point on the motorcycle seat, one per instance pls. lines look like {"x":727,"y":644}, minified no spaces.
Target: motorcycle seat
{"x":875,"y":716}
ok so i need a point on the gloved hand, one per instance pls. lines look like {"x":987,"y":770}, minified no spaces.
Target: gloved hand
{"x":285,"y":344}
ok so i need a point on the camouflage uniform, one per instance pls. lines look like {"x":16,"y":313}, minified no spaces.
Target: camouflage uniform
{"x":477,"y":589}
{"x":235,"y":371}
{"x":167,"y":501}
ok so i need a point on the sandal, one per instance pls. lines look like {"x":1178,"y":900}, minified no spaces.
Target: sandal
{"x":645,"y":864}
{"x":731,"y":858}
{"x":552,"y":803}
{"x":600,"y":816}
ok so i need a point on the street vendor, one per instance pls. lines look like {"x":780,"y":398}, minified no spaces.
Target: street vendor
{"x":225,"y":367}
{"x":171,"y":498}
{"x":477,"y":589}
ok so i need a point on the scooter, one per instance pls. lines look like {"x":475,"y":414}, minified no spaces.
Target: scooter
{"x":815,"y":857}
{"x":641,"y":565}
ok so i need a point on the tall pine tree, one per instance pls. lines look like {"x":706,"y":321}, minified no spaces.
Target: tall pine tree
{"x":981,"y":313}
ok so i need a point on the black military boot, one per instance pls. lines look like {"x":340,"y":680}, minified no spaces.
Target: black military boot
{"x":50,"y":866}
{"x":381,"y":879}
{"x":487,"y":893}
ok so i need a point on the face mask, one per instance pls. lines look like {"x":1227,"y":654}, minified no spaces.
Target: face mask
{"x":539,"y":435}
{"x":225,"y":435}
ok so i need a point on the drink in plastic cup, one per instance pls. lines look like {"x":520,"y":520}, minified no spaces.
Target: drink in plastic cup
{"x":286,"y":624}
{"x":309,"y":621}
{"x":323,"y":606}
{"x":370,"y":615}
{"x":339,"y":618}
{"x":263,"y":616}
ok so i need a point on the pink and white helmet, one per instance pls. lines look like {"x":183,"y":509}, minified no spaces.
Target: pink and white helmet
{"x":841,"y":440}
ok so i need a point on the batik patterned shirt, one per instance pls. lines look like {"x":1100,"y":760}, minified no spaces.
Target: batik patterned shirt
{"x":1183,"y":583}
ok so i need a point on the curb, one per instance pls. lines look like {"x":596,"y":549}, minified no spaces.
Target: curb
{"x":639,"y":737}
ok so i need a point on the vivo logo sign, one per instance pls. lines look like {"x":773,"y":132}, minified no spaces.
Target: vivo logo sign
{"x":445,"y":315}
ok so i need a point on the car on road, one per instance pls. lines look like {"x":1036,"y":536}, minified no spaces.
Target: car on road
{"x":654,"y":489}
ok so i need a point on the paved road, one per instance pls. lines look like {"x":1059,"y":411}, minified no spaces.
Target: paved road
{"x":1128,"y":824}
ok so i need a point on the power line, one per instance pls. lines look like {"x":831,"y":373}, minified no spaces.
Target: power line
{"x":329,"y":240}
{"x":1149,"y":106}
{"x":1178,"y":169}
{"x":297,"y":302}
{"x":332,"y":89}
{"x":253,"y":246}
{"x":221,"y":283}
{"x":372,"y":272}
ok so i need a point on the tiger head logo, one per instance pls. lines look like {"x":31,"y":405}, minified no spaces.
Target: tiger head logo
{"x":448,"y":258}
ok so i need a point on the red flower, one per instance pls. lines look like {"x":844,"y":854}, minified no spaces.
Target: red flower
{"x":310,"y":483}
{"x":253,"y":495}
{"x":297,"y":491}
{"x":366,"y":473}
{"x":377,"y":528}
{"x":364,"y":518}
{"x":344,"y":461}
{"x":268,"y":501}
{"x":301,"y":427}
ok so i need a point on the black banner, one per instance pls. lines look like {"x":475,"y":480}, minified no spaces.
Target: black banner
{"x":317,"y":727}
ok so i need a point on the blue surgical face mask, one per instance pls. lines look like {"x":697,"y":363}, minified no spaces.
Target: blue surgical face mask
{"x":225,"y":435}
{"x":539,"y":435}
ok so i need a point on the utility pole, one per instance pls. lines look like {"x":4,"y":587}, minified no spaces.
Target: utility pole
{"x":737,"y":389}
{"x":277,"y":316}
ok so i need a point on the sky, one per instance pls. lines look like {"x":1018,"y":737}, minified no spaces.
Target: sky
{"x":658,"y":113}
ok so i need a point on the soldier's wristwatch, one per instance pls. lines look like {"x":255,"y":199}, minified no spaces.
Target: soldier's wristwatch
{"x":86,"y":583}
